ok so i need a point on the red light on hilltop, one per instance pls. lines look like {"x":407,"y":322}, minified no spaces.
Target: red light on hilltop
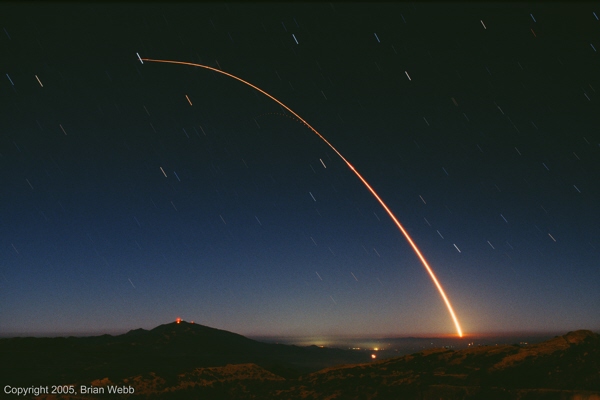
{"x":178,"y":320}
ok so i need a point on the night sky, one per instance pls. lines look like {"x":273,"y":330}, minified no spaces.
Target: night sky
{"x":136,"y":193}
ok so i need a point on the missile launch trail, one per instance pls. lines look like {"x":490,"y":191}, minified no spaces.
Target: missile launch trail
{"x":363,"y":180}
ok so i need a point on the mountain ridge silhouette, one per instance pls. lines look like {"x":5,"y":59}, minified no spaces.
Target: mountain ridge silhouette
{"x":169,"y":349}
{"x":191,"y":361}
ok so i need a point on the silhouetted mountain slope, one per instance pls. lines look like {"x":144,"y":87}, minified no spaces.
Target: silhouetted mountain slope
{"x":167,"y":350}
{"x":168,"y":364}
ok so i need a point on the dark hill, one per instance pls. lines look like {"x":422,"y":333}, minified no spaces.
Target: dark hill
{"x":166,"y":350}
{"x":188,"y":361}
{"x":565,"y":367}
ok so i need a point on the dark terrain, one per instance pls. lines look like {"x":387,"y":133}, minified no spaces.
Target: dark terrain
{"x":190,"y":361}
{"x":167,"y":350}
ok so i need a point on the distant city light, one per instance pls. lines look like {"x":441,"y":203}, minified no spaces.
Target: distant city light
{"x":178,"y":320}
{"x":373,"y":356}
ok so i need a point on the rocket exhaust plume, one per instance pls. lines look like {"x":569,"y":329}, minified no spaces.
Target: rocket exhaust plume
{"x":363,"y":180}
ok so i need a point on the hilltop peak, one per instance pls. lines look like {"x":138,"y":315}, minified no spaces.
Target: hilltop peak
{"x":579,"y":336}
{"x":184,"y":326}
{"x":176,"y":326}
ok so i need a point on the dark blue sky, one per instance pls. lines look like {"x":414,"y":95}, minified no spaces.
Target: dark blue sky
{"x":477,"y":124}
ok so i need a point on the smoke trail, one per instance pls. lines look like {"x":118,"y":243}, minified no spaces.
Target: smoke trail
{"x":363,"y":180}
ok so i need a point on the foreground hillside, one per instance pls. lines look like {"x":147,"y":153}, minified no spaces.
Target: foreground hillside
{"x":565,"y":367}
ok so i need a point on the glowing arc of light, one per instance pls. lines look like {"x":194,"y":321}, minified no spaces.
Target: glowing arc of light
{"x":363,"y":180}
